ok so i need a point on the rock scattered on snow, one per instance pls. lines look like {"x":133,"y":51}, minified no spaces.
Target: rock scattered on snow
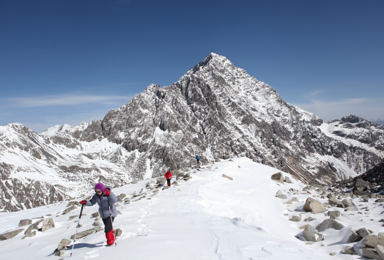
{"x":295,"y":218}
{"x":314,"y":206}
{"x":59,"y":253}
{"x":334,"y":202}
{"x":354,"y":237}
{"x":370,"y":253}
{"x":72,"y":217}
{"x":349,"y":250}
{"x":96,"y":214}
{"x":96,"y":224}
{"x":10,"y":234}
{"x":334,"y":214}
{"x":87,"y":232}
{"x":329,"y":223}
{"x":35,"y":226}
{"x":278,"y":177}
{"x":373,"y":241}
{"x":47,"y":224}
{"x":73,"y":203}
{"x":280,"y":195}
{"x":121,"y":196}
{"x":63,"y":244}
{"x":380,"y":251}
{"x":228,"y":177}
{"x":309,"y":219}
{"x":118,"y":232}
{"x":287,"y":179}
{"x":309,"y":235}
{"x":24,"y":222}
{"x":69,"y":209}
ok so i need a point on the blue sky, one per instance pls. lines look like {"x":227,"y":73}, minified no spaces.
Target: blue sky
{"x":72,"y":61}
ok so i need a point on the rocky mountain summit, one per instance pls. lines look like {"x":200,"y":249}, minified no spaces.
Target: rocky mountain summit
{"x":215,"y":110}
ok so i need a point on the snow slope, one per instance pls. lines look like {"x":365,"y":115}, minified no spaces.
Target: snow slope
{"x":208,"y":217}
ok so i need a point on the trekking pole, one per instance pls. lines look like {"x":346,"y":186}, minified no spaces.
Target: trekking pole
{"x":77,"y":227}
{"x":110,"y":215}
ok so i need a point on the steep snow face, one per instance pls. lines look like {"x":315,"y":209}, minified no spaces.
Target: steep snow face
{"x":215,"y":110}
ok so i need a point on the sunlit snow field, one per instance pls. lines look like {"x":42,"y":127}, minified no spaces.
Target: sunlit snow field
{"x":208,"y":217}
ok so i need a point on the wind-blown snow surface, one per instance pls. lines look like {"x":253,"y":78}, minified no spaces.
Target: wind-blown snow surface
{"x":209,"y":217}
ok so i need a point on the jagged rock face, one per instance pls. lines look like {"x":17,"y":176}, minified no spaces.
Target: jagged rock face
{"x":215,"y":110}
{"x":218,"y":111}
{"x":37,"y":170}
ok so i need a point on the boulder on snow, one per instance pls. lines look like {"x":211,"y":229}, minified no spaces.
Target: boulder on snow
{"x":69,"y":209}
{"x":280,"y":195}
{"x":370,"y":253}
{"x":87,"y":232}
{"x":96,"y":224}
{"x":309,"y":219}
{"x":228,"y":177}
{"x":312,"y":205}
{"x":278,"y":177}
{"x":354,"y":237}
{"x":47,"y":224}
{"x":373,"y":241}
{"x":380,"y":251}
{"x":73,"y":203}
{"x":63,"y":244}
{"x":347,"y":203}
{"x":309,"y":235}
{"x":10,"y":234}
{"x":335,"y":202}
{"x":59,"y":253}
{"x":72,"y":217}
{"x":287,"y":179}
{"x":121,"y":196}
{"x":24,"y":222}
{"x":363,"y":232}
{"x":334,"y":214}
{"x":295,"y":218}
{"x":35,"y":225}
{"x":349,"y":250}
{"x":118,"y":232}
{"x":96,"y":214}
{"x":294,"y":199}
{"x":329,"y":223}
{"x":351,"y":208}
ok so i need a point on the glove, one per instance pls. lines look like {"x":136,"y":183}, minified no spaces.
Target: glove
{"x":107,"y":192}
{"x":83,"y":202}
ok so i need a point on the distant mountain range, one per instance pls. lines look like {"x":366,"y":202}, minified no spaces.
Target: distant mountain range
{"x":215,"y":110}
{"x":378,"y":121}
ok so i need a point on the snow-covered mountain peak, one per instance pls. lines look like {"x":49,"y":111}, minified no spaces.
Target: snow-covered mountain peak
{"x":65,"y":129}
{"x":215,"y":110}
{"x":352,"y":119}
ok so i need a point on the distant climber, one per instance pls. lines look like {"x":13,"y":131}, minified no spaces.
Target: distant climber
{"x":107,"y":209}
{"x":168,"y":176}
{"x":198,"y":159}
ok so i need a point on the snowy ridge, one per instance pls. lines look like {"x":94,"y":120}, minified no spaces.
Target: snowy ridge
{"x":208,"y":217}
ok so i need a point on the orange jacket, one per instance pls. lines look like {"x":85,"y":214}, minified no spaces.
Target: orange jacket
{"x":168,"y":175}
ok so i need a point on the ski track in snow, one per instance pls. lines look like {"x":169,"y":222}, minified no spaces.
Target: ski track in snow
{"x":207,"y":218}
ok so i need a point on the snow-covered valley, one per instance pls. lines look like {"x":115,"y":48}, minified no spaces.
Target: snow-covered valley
{"x":206,"y":217}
